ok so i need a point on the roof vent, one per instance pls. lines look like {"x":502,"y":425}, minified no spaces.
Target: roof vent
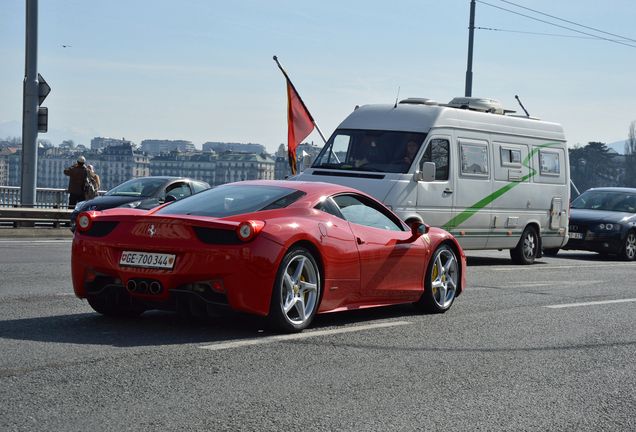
{"x":418,"y":101}
{"x":478,"y":104}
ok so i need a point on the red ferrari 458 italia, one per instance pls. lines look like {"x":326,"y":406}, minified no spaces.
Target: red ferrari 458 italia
{"x":285,"y":250}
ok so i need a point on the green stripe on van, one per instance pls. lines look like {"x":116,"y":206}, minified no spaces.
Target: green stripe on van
{"x":466,"y":214}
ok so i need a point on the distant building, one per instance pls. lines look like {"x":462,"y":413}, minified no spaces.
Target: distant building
{"x":233,"y":167}
{"x":4,"y":164}
{"x":156,"y":147}
{"x":103,"y":142}
{"x":120,"y":163}
{"x":221,"y":147}
{"x":283,"y":170}
{"x":200,"y":166}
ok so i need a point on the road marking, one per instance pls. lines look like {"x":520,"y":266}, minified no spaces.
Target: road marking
{"x":303,"y":335}
{"x":590,"y":303}
{"x":535,"y":267}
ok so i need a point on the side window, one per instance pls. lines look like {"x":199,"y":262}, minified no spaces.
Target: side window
{"x":198,"y":187}
{"x":510,"y":157}
{"x":438,"y":151}
{"x":549,"y":162}
{"x":328,"y":206}
{"x":474,"y":158}
{"x":362,"y":212}
{"x":179,"y":190}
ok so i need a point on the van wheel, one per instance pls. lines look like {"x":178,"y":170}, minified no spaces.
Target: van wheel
{"x":526,"y":251}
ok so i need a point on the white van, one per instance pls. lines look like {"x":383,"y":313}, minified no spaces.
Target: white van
{"x":493,"y":180}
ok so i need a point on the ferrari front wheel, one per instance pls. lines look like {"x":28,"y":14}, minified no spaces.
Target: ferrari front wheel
{"x":296,"y":292}
{"x":441,"y":283}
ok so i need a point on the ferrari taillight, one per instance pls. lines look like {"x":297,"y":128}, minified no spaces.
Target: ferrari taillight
{"x":247,"y":230}
{"x":85,"y":221}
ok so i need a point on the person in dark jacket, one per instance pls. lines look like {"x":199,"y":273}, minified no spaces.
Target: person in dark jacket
{"x":77,"y":175}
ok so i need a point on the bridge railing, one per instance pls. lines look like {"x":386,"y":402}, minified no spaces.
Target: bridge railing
{"x":44,"y":198}
{"x":50,"y":208}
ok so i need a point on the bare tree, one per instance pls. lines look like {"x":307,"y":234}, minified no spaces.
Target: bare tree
{"x":629,"y":179}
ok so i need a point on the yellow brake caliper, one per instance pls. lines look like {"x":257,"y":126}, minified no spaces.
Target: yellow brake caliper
{"x":433,"y":277}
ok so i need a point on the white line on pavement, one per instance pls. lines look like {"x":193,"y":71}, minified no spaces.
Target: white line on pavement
{"x":304,"y":335}
{"x":590,"y":303}
{"x":535,"y":267}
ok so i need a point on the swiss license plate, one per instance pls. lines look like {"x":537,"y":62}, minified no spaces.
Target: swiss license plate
{"x":147,"y":259}
{"x":578,"y":236}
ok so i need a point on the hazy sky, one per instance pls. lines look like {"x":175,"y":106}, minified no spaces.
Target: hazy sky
{"x":203,"y":71}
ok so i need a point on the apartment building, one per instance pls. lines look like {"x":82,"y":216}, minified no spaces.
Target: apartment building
{"x":156,"y":147}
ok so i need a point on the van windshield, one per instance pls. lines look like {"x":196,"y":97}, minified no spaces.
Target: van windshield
{"x":370,"y":150}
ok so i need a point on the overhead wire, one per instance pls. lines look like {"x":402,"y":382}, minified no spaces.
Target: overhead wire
{"x":569,"y":22}
{"x":561,"y":26}
{"x":535,"y":33}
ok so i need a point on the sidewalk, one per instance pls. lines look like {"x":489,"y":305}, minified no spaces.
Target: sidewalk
{"x":38,"y":232}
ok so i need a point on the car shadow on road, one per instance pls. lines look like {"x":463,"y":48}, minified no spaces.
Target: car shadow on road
{"x":156,"y":328}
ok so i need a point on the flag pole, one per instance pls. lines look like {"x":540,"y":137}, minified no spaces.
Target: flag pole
{"x":301,"y":101}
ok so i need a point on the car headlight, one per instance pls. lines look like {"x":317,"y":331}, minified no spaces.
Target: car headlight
{"x":133,"y":204}
{"x":609,"y":227}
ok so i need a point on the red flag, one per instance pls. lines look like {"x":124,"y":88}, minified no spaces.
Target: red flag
{"x":299,"y":121}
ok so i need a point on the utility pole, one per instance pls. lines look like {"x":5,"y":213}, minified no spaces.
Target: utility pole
{"x":31,"y":95}
{"x":34,"y":117}
{"x":471,"y":34}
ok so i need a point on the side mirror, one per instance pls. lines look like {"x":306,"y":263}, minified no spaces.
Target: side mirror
{"x":419,"y":228}
{"x":426,"y":172}
{"x":170,"y":198}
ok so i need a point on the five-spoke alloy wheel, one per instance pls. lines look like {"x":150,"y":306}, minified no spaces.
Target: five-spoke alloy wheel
{"x":296,"y":291}
{"x":441,"y":283}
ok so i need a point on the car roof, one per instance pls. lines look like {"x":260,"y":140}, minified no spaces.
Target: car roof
{"x":613,"y":189}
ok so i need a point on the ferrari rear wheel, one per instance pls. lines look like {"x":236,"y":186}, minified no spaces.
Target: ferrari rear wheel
{"x":109,"y":306}
{"x":296,"y":292}
{"x":441,"y":283}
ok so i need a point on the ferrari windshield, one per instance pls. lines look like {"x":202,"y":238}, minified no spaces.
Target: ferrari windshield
{"x":370,"y":150}
{"x":224,"y":201}
{"x":606,"y":200}
{"x":142,"y":187}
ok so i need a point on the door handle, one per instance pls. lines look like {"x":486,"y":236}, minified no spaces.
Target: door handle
{"x":359,"y":240}
{"x":448,"y":191}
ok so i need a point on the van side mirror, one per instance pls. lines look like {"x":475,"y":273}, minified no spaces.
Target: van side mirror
{"x":419,"y":228}
{"x":426,"y":172}
{"x":170,"y":198}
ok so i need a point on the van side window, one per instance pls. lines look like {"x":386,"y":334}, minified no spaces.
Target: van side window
{"x":474,"y":159}
{"x":438,"y":151}
{"x":549,"y":162}
{"x":510,"y":157}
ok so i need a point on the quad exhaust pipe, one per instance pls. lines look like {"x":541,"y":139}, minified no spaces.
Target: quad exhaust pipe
{"x":144,"y":286}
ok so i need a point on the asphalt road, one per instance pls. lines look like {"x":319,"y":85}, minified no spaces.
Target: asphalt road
{"x":543,"y":347}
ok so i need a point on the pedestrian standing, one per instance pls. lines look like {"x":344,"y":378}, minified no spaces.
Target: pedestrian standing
{"x":77,"y":175}
{"x":95,"y":176}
